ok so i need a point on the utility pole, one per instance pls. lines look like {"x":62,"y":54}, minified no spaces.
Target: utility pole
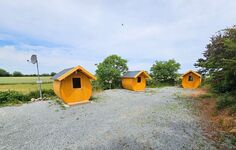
{"x":34,"y":60}
{"x":39,"y":81}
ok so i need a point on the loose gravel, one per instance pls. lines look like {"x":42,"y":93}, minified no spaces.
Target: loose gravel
{"x":117,"y":119}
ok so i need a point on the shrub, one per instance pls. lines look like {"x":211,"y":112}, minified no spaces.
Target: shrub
{"x":233,"y":108}
{"x":225,"y":100}
{"x":151,"y":83}
{"x":46,"y":93}
{"x":7,"y":97}
{"x":13,"y":96}
{"x":96,"y":86}
{"x":165,"y":71}
{"x":52,"y":73}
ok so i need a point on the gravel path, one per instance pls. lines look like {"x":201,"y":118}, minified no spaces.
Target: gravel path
{"x":118,"y":119}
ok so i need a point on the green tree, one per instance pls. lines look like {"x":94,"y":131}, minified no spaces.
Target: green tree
{"x":45,"y":74}
{"x":219,"y":61}
{"x":165,"y":71}
{"x":53,"y":73}
{"x":109,"y":72}
{"x":17,"y":74}
{"x":4,"y":73}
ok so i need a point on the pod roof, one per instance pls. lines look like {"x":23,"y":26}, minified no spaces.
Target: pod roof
{"x":135,"y":74}
{"x":190,"y":71}
{"x":66,"y":72}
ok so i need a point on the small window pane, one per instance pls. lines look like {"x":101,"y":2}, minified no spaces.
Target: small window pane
{"x":76,"y":83}
{"x":190,"y":78}
{"x":139,"y":79}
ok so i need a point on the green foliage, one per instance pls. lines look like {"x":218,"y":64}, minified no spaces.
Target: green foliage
{"x":109,"y":72}
{"x":153,"y":84}
{"x":225,"y":100}
{"x":96,"y":86}
{"x":219,"y":61}
{"x":17,"y":74}
{"x":165,"y":72}
{"x":46,"y":93}
{"x":45,"y":74}
{"x":13,"y":96}
{"x":52,"y":73}
{"x":4,"y":73}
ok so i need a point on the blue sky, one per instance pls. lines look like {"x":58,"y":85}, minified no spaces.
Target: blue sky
{"x":66,"y":33}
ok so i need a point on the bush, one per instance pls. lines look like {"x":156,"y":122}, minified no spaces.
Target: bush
{"x":46,"y":93}
{"x":53,"y":74}
{"x":225,"y":101}
{"x":165,"y":71}
{"x":13,"y":96}
{"x":151,"y":83}
{"x":154,"y":84}
{"x":96,"y":86}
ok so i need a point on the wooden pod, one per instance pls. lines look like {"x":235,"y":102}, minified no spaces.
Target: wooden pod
{"x":73,"y":85}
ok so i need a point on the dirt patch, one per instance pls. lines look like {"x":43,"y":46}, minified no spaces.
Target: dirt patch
{"x":215,"y":123}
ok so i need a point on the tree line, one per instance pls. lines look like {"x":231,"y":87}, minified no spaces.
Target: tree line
{"x":110,"y":71}
{"x":4,"y":73}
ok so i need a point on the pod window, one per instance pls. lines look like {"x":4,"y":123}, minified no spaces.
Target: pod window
{"x":190,"y":78}
{"x":76,"y":82}
{"x":139,"y":79}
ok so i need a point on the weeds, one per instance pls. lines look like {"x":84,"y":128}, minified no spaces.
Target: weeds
{"x":8,"y":98}
{"x":150,"y":91}
{"x":46,"y":93}
{"x":12,"y":97}
{"x":206,"y":96}
{"x":60,"y":103}
{"x":226,"y":101}
{"x":94,"y":98}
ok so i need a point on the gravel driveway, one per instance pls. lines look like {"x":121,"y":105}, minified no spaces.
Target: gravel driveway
{"x":118,"y":119}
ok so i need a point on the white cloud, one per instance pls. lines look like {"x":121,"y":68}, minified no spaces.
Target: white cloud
{"x":50,"y":59}
{"x":84,"y":32}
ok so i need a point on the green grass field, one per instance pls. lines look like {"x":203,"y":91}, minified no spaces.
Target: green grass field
{"x":23,"y":80}
{"x":23,"y":84}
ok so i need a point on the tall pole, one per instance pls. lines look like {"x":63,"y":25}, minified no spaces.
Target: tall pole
{"x":39,"y":81}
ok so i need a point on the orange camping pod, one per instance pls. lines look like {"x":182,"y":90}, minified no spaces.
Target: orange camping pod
{"x":73,"y":85}
{"x":135,"y":80}
{"x":191,"y":80}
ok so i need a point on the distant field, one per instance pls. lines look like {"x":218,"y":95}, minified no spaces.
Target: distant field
{"x":23,"y":80}
{"x":23,"y":84}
